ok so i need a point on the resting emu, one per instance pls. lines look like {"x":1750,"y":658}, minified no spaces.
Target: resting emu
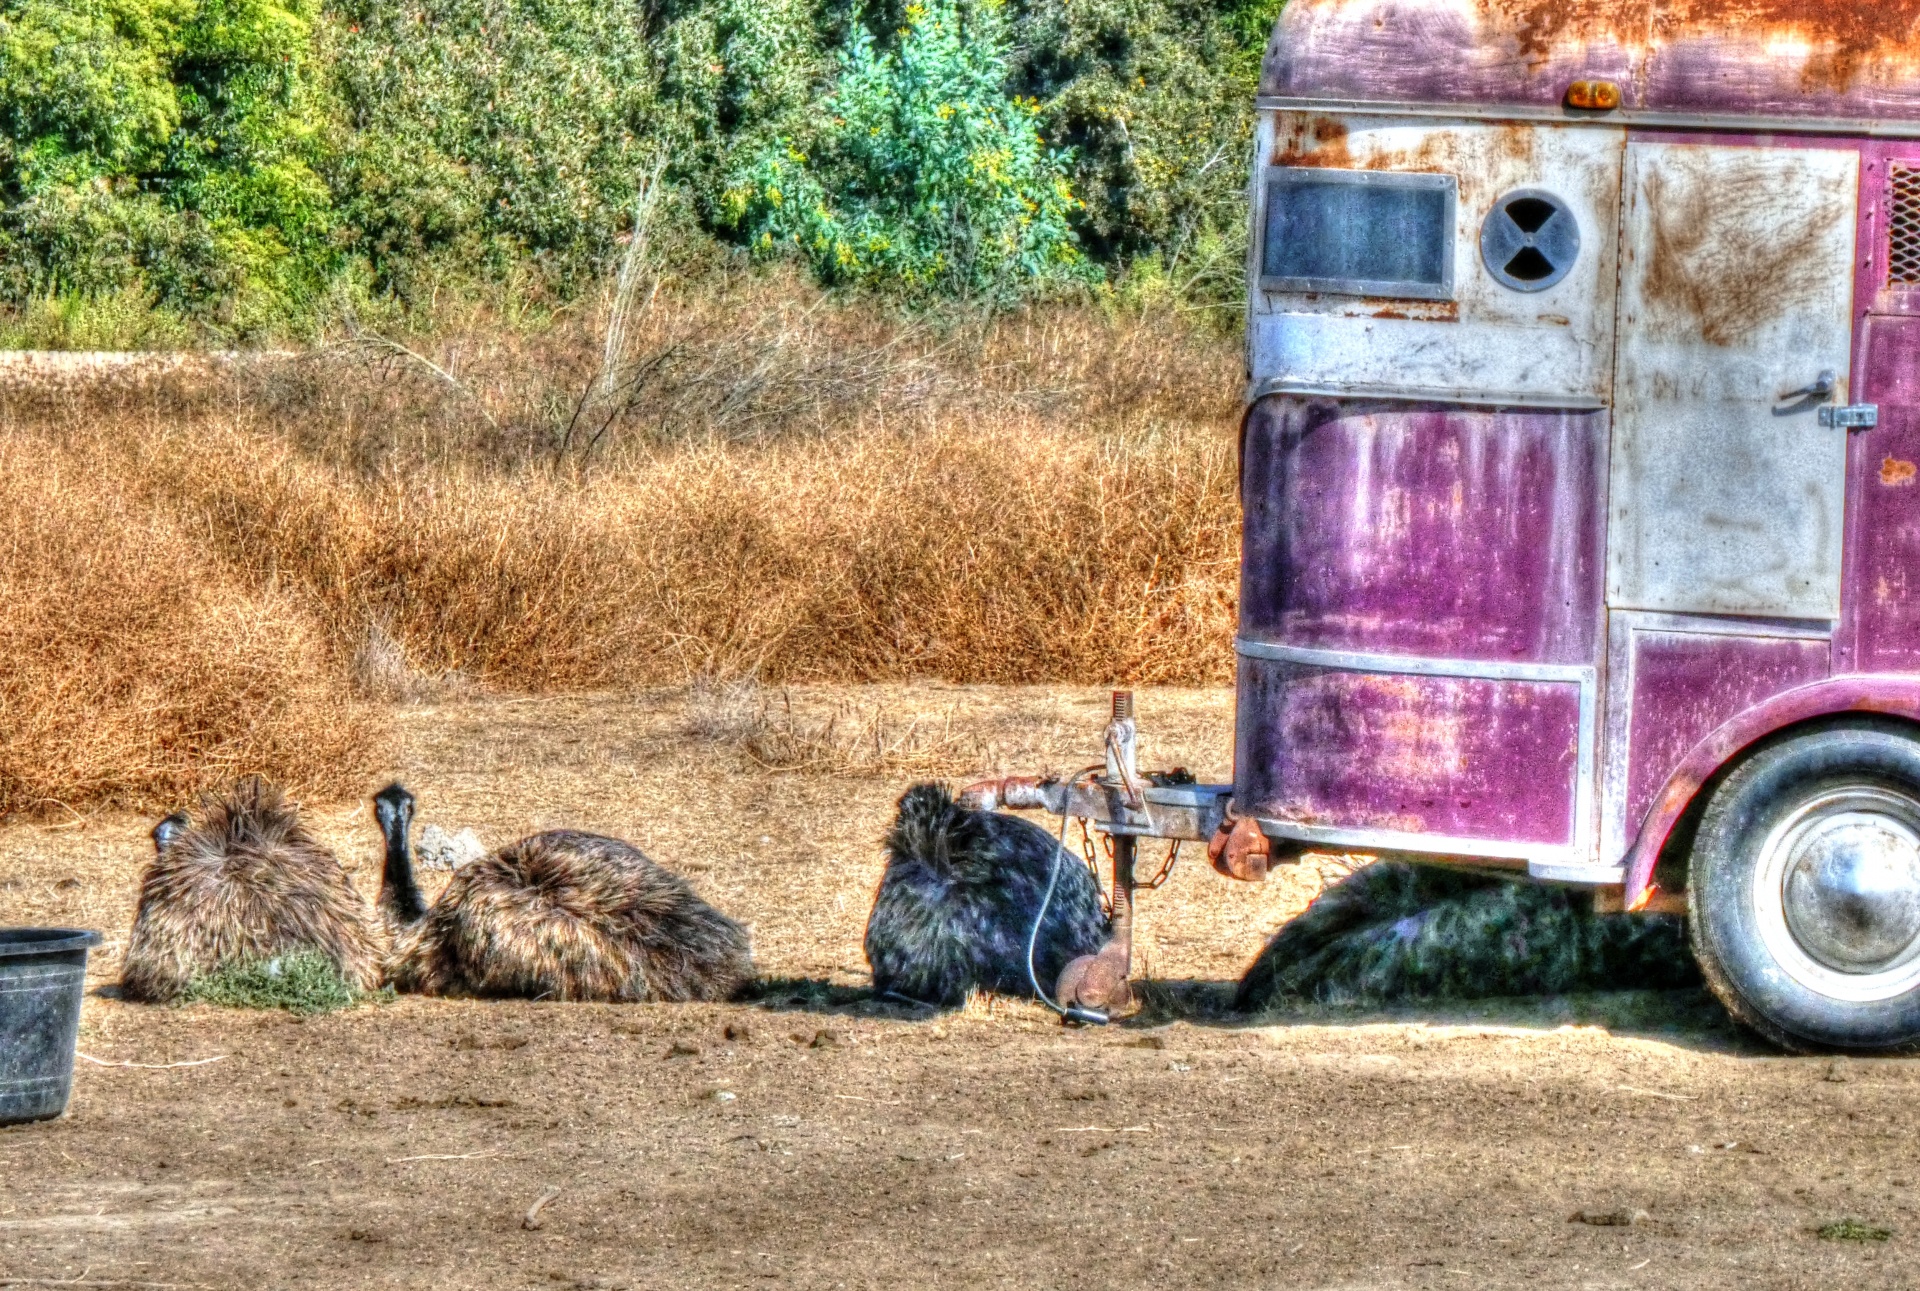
{"x":957,"y":903}
{"x":247,"y":882}
{"x":561,"y":915}
{"x":1391,"y":930}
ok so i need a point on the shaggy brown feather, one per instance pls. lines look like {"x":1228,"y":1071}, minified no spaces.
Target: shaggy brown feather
{"x":247,"y":881}
{"x":571,"y":916}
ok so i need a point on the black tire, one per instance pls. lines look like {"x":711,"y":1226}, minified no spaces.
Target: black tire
{"x":1782,"y":931}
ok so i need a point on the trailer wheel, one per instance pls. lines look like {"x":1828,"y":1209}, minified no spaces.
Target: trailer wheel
{"x":1805,"y":891}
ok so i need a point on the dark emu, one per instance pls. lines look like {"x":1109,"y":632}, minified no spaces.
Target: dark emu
{"x":560,"y":916}
{"x":958,"y":901}
{"x":1398,"y":931}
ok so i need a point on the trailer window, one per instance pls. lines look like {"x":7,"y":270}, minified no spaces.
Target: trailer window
{"x":1358,"y":233}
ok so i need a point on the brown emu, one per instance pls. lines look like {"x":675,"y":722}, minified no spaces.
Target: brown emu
{"x":561,"y":915}
{"x":247,"y":882}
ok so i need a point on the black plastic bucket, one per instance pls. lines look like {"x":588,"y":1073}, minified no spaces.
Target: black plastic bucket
{"x":43,"y":974}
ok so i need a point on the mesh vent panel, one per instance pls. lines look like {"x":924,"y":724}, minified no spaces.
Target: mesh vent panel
{"x":1903,"y":227}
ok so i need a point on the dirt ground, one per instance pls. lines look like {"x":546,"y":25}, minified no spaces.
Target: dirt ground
{"x":815,"y":1138}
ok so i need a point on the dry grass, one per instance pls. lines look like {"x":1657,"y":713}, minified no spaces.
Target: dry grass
{"x":851,"y":739}
{"x":139,"y":668}
{"x":749,"y":360}
{"x":797,"y":492}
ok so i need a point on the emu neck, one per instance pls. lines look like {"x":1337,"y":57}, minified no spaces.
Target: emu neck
{"x":400,"y":896}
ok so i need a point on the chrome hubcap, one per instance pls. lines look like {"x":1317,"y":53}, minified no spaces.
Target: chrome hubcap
{"x":1837,"y":893}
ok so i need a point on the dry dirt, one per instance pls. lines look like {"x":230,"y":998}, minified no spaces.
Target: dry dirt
{"x":813,"y":1138}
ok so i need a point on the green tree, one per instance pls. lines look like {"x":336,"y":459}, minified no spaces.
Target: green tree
{"x":163,"y":145}
{"x":924,"y":172}
{"x":735,"y":75}
{"x":487,"y":131}
{"x":1155,"y":98}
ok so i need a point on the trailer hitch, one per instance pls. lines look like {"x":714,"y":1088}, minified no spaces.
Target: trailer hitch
{"x":1126,"y":806}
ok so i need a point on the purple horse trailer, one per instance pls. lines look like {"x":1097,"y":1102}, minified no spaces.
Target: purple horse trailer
{"x":1581,"y":510}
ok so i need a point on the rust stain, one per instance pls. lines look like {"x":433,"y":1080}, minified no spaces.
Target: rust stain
{"x":1436,"y":311}
{"x":1843,"y":35}
{"x":1312,"y":141}
{"x":1841,"y":38}
{"x":1895,"y":473}
{"x":1716,"y":268}
{"x":1541,"y":27}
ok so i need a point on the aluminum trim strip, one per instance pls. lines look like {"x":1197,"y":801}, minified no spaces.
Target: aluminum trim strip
{"x":1585,"y":676}
{"x":1707,"y":121}
{"x":1394,"y":840}
{"x":1357,"y":661}
{"x":1714,"y":625}
{"x":1480,"y":398}
{"x":1600,"y":876}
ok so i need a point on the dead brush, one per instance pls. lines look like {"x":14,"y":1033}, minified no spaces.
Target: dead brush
{"x":1001,"y":553}
{"x":139,"y":667}
{"x":740,"y":359}
{"x":799,"y":490}
{"x":850,"y":739}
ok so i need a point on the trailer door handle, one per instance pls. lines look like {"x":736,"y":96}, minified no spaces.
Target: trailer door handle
{"x":1822,"y":388}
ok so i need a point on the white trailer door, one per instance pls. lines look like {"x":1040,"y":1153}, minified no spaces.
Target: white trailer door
{"x":1736,"y":291}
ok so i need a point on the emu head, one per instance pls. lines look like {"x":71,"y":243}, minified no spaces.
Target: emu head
{"x":393,"y":808}
{"x":167,"y":830}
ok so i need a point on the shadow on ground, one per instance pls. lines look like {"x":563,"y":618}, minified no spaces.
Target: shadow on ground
{"x":1689,"y":1018}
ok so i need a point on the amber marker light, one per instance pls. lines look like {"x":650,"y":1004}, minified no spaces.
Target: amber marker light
{"x":1593,"y":96}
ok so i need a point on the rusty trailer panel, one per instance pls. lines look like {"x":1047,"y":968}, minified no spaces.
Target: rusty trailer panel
{"x":1340,"y":752}
{"x":1445,"y":532}
{"x":1882,"y":632}
{"x":1673,"y":680}
{"x":1551,"y":347}
{"x":1741,"y":62}
{"x":1736,"y":298}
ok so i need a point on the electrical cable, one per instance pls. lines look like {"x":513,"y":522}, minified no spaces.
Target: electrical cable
{"x":1073,"y":1013}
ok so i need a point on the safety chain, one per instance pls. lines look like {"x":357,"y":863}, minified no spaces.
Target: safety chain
{"x":1092,"y":856}
{"x":1166,"y":870}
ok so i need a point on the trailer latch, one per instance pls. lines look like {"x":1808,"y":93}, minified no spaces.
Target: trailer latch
{"x":1851,"y":416}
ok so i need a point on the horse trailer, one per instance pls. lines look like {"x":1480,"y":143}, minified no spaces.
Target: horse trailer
{"x":1581,"y":513}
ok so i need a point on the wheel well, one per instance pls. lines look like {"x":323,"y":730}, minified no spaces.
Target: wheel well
{"x":1676,"y":854}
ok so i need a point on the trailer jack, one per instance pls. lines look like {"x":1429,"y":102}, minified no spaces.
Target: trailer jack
{"x":1118,"y":801}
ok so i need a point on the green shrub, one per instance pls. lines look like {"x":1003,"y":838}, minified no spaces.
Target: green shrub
{"x":304,"y":982}
{"x":1155,"y":100}
{"x":924,"y":173}
{"x":734,"y":75}
{"x":164,"y":145}
{"x":490,"y":130}
{"x":255,"y":167}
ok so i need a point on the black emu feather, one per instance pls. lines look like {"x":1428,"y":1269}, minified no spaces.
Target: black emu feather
{"x":958,"y":900}
{"x":1392,"y":930}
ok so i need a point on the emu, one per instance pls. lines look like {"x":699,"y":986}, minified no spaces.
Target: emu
{"x":561,"y":915}
{"x":957,"y":903}
{"x":1394,"y":930}
{"x":247,"y":882}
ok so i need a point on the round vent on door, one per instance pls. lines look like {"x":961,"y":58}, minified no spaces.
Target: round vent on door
{"x":1530,"y":240}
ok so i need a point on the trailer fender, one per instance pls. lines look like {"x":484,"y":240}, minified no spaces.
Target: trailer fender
{"x":1894,"y":696}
